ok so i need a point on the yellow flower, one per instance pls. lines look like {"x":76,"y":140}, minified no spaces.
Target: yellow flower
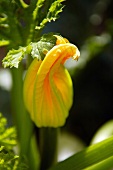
{"x":48,"y":90}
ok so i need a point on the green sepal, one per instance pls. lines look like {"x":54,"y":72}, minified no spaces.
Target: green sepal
{"x":40,"y":48}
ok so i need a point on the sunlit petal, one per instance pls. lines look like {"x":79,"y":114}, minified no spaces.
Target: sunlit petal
{"x":63,"y":83}
{"x":29,"y":84}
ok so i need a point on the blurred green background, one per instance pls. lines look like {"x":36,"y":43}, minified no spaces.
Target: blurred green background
{"x":89,"y":25}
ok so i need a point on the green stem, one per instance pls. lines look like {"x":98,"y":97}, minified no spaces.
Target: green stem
{"x":31,"y":33}
{"x":48,"y":147}
{"x":21,"y":117}
{"x":33,"y":155}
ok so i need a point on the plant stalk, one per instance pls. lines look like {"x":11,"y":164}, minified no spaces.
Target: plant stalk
{"x":48,"y":147}
{"x":22,"y":119}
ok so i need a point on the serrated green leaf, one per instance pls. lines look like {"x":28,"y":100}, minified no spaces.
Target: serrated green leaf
{"x":36,"y":49}
{"x":52,"y":14}
{"x":8,"y":159}
{"x":14,"y":57}
{"x":38,"y":6}
{"x":7,"y":135}
{"x":55,"y":9}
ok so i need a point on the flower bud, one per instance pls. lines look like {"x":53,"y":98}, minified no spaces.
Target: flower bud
{"x":48,"y":90}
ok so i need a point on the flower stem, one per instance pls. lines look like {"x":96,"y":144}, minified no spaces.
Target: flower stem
{"x":48,"y":147}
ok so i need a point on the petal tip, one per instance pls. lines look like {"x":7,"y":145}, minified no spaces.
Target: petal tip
{"x":76,"y":55}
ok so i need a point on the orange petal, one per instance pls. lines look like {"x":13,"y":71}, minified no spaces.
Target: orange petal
{"x":29,"y":84}
{"x":63,"y":83}
{"x":53,"y":99}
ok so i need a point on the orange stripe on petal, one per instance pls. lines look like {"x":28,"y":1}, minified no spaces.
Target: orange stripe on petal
{"x":63,"y":83}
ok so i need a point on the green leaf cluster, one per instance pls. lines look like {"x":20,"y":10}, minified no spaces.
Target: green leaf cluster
{"x":8,"y":139}
{"x":7,"y":159}
{"x":7,"y":135}
{"x":52,"y":13}
{"x":10,"y":161}
{"x":21,"y":23}
{"x":95,"y":157}
{"x":35,"y":49}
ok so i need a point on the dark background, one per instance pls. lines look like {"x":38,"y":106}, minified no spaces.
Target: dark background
{"x":93,"y":84}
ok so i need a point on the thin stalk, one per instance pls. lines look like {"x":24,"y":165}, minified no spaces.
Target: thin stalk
{"x":25,"y":127}
{"x":48,"y":147}
{"x":33,"y":154}
{"x":21,"y":117}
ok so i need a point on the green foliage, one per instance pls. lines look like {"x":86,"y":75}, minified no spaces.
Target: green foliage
{"x":24,"y":5}
{"x":7,"y":159}
{"x":103,"y":165}
{"x":52,"y":14}
{"x":18,"y":20}
{"x":37,"y":10}
{"x":8,"y":139}
{"x":7,"y":135}
{"x":13,"y":57}
{"x":10,"y":161}
{"x":36,"y":49}
{"x":40,"y":48}
{"x":96,"y":156}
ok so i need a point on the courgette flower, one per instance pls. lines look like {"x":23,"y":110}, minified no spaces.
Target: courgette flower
{"x":48,"y":90}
